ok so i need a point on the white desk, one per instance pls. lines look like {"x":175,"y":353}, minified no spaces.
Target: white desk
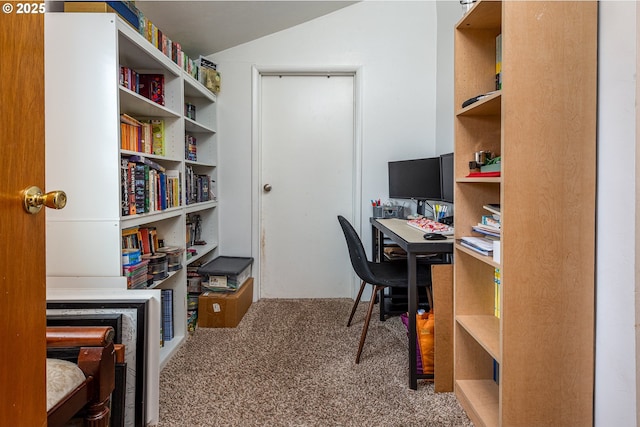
{"x":412,"y":241}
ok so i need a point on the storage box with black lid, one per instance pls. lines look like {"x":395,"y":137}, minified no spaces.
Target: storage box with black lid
{"x":225,"y":272}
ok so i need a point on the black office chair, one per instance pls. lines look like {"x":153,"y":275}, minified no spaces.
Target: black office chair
{"x":380,"y":275}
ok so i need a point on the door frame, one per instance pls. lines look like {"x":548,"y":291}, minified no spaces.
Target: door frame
{"x":256,"y":149}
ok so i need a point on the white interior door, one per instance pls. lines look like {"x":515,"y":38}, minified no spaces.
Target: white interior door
{"x":307,"y":154}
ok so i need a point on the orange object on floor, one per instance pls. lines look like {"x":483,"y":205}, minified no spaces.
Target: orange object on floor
{"x":425,"y":323}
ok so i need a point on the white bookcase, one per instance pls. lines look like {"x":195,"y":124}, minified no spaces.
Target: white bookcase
{"x":84,"y":100}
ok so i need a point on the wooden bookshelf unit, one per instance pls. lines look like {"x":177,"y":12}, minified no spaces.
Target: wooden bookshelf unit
{"x":533,"y":365}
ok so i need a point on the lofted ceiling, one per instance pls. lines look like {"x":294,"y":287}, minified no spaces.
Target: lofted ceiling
{"x":207,"y":27}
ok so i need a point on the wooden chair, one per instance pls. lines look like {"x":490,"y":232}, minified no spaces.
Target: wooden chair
{"x":85,"y":385}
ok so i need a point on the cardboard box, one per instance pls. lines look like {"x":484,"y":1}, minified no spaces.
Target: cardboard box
{"x":224,"y":310}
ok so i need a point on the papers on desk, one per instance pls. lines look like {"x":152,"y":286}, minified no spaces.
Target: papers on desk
{"x":430,"y":226}
{"x":479,"y":244}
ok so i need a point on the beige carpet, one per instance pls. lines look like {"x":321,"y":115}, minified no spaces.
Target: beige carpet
{"x":292,"y":363}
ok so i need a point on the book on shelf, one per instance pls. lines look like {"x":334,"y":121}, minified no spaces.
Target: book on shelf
{"x":487,"y":231}
{"x":151,"y":86}
{"x":209,"y":75}
{"x":499,"y":62}
{"x":130,"y":238}
{"x":124,"y":187}
{"x":146,"y":161}
{"x":158,"y":137}
{"x":141,"y":189}
{"x":496,"y":287}
{"x":494,"y":208}
{"x":481,"y":245}
{"x":190,"y":148}
{"x":167,"y":314}
{"x":493,"y":174}
{"x":174,"y":185}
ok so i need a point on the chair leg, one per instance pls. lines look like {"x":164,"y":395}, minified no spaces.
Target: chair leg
{"x":355,"y":303}
{"x":365,"y":328}
{"x":98,"y":414}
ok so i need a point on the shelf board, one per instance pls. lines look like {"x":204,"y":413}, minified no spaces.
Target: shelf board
{"x":485,"y":329}
{"x":202,"y":251}
{"x":195,"y":89}
{"x":196,"y":207}
{"x":484,"y":258}
{"x":198,"y":163}
{"x":193,"y":126}
{"x":138,"y":52}
{"x":170,"y":348}
{"x":489,"y":106}
{"x":153,"y":157}
{"x":484,"y":15}
{"x":146,"y":218}
{"x":156,"y":284}
{"x":490,"y":180}
{"x":480,"y":399}
{"x":137,"y":105}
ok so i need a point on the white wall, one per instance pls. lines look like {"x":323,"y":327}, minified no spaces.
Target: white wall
{"x":449,"y":13}
{"x":615,"y":400}
{"x":395,"y":44}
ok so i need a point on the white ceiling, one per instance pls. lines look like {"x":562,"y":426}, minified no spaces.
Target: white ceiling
{"x":206,"y":27}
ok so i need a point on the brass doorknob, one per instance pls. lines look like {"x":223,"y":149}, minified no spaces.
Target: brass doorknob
{"x":267,"y":187}
{"x":34,"y":199}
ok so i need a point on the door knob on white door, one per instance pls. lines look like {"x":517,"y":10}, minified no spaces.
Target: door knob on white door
{"x":266,"y":188}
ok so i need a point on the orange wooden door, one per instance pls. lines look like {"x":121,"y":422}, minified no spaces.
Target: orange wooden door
{"x":22,"y":236}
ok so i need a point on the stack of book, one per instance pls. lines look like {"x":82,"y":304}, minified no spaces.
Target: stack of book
{"x":481,"y":245}
{"x":489,"y":229}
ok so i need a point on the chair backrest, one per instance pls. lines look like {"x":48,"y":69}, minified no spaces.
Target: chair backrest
{"x":356,"y":251}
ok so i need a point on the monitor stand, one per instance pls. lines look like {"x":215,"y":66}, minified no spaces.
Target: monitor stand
{"x":421,"y":207}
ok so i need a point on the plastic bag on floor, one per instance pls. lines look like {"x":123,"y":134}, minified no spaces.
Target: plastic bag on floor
{"x":405,"y":320}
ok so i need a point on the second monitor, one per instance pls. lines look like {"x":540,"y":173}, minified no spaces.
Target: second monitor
{"x":422,"y":179}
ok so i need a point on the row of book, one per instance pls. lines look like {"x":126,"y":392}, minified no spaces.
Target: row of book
{"x":143,"y":238}
{"x":199,"y":68}
{"x":151,"y":86}
{"x":147,"y":187}
{"x":198,"y":187}
{"x":143,"y":136}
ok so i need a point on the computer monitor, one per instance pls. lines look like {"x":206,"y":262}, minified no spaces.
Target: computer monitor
{"x":417,"y":179}
{"x":446,"y":177}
